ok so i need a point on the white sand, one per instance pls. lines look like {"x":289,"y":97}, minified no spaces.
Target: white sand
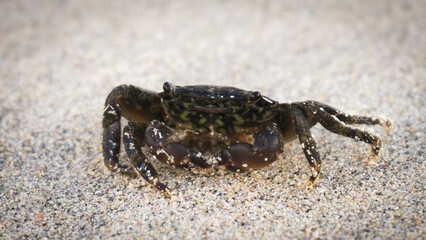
{"x":59,"y":60}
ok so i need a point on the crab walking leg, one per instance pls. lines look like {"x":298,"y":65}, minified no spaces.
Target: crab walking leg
{"x":307,"y":142}
{"x":332,"y":123}
{"x":349,"y":119}
{"x":141,"y":162}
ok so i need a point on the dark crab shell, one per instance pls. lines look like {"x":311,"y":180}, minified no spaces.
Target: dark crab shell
{"x":212,"y":108}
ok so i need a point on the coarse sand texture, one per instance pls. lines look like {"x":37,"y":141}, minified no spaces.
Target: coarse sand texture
{"x":60,"y":59}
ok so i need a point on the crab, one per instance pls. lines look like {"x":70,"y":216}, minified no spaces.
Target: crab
{"x":243,"y":130}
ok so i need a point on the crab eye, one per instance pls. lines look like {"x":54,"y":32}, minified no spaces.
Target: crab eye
{"x":254,"y":97}
{"x":169,"y":88}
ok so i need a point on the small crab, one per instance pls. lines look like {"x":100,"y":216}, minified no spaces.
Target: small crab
{"x":243,"y":129}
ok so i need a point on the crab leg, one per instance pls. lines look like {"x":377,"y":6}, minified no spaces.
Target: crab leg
{"x":329,"y":118}
{"x":307,"y":142}
{"x":349,"y":119}
{"x":306,"y":114}
{"x":138,"y":159}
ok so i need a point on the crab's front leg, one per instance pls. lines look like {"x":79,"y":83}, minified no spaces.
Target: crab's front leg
{"x":134,"y":104}
{"x":111,"y":139}
{"x":243,"y":156}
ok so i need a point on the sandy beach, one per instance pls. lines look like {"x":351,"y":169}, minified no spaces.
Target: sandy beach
{"x":60,"y":59}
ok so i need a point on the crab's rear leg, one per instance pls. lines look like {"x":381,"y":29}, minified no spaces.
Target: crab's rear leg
{"x":349,"y":119}
{"x":335,"y":121}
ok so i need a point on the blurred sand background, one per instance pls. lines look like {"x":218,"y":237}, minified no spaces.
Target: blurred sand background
{"x":60,"y":59}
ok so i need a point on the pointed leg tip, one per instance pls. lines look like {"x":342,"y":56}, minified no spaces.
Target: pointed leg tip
{"x":387,"y":123}
{"x":376,"y":150}
{"x":163,"y":189}
{"x":375,"y":153}
{"x":167,"y":194}
{"x":372,"y":158}
{"x":314,"y":178}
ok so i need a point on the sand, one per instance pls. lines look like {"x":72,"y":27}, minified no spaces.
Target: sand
{"x":60,"y":59}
